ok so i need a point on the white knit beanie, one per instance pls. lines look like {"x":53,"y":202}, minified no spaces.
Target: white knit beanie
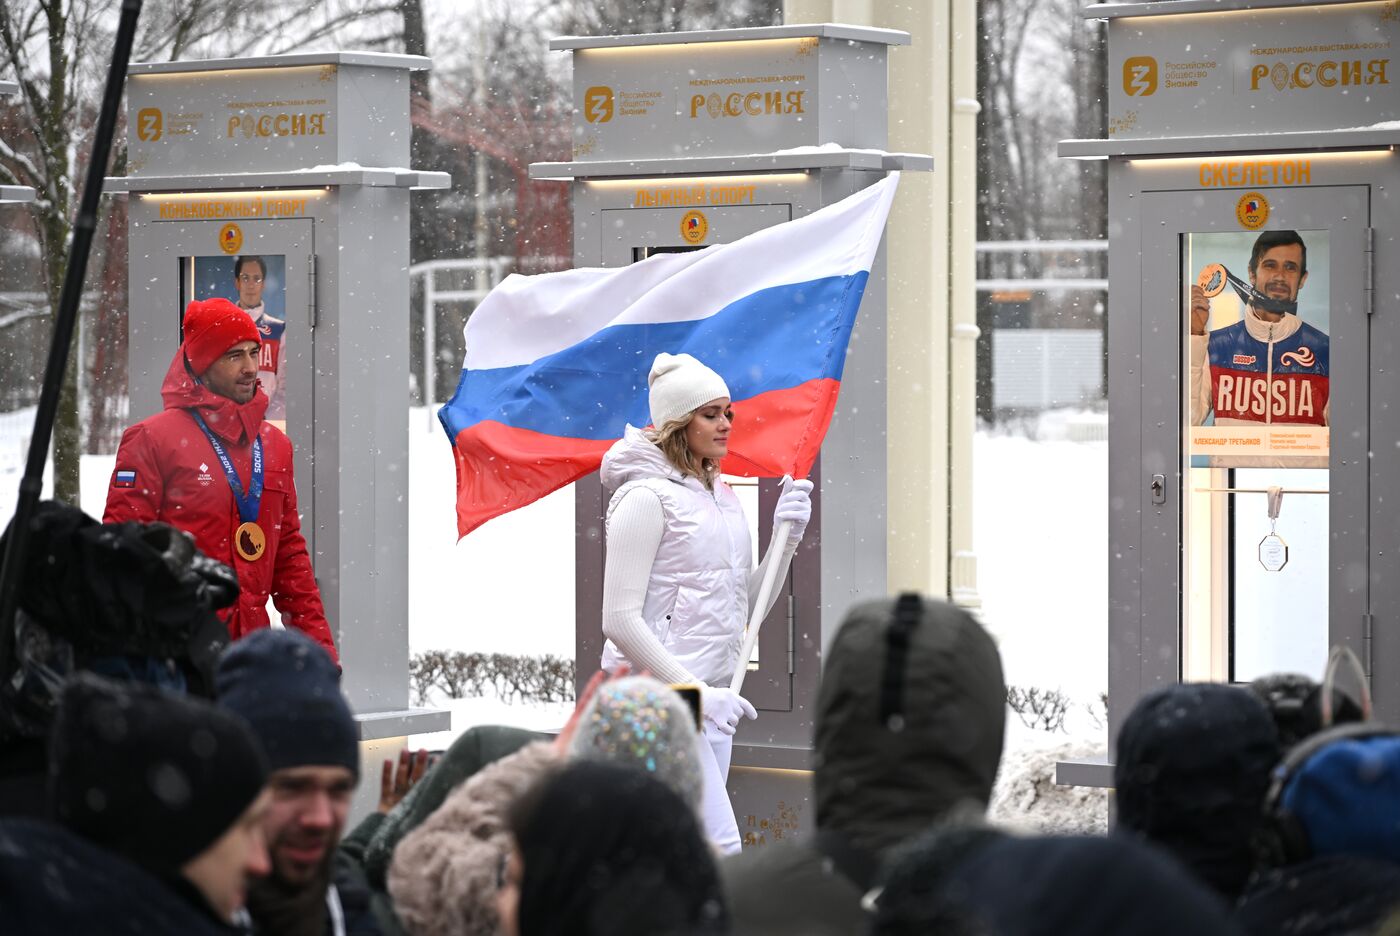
{"x":680,"y":384}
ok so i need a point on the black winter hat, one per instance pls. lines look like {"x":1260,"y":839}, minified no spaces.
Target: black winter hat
{"x":1193,"y":765}
{"x":610,"y":849}
{"x":288,"y":689}
{"x":1295,"y":702}
{"x":910,"y":720}
{"x":153,"y":776}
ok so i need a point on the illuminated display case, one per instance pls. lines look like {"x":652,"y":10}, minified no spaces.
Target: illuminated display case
{"x":277,"y":183}
{"x":1252,"y":425}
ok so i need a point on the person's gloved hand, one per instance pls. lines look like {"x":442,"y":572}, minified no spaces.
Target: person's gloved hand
{"x":795,"y":504}
{"x":725,"y":707}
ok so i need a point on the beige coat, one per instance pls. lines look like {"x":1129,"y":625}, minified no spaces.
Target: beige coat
{"x":443,"y":875}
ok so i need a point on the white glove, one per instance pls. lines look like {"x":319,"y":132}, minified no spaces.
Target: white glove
{"x":725,"y":707}
{"x":795,"y":504}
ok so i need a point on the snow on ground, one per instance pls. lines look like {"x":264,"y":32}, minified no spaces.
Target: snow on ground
{"x":506,"y":588}
{"x":489,"y":710}
{"x":1040,"y":529}
{"x":1040,"y":508}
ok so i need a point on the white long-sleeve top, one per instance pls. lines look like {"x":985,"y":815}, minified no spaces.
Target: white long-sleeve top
{"x":679,"y":581}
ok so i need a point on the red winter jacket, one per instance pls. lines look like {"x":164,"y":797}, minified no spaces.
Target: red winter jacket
{"x":180,"y":480}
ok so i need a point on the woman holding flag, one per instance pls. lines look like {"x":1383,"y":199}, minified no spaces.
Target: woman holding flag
{"x":679,"y":579}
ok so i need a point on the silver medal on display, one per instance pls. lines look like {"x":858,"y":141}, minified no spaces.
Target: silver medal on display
{"x":1273,"y":551}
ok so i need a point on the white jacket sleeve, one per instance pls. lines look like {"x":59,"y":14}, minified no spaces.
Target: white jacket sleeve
{"x":1200,"y":379}
{"x":756,"y":576}
{"x":635,"y":528}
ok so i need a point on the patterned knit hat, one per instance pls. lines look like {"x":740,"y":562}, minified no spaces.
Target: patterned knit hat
{"x":637,"y":720}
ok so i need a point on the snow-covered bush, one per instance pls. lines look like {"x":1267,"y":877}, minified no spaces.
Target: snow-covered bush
{"x":1043,"y":709}
{"x":460,"y":675}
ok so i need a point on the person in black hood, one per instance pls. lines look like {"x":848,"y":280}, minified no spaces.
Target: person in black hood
{"x":1193,"y":763}
{"x":909,"y":729}
{"x":1000,"y":885}
{"x":164,"y":792}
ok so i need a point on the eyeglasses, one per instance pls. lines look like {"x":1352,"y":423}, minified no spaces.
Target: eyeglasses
{"x":249,"y":278}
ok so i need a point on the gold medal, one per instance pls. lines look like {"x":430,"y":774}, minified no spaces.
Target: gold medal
{"x":1213,"y":280}
{"x":250,"y":541}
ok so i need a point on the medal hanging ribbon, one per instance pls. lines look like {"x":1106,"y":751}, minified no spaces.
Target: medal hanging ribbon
{"x":1214,"y":278}
{"x":249,"y":540}
{"x":1273,"y":551}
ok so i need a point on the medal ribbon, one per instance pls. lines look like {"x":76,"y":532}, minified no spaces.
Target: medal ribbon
{"x":1251,"y":296}
{"x":247,"y":503}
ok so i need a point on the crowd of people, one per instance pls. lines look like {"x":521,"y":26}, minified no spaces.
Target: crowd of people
{"x":172,"y":764}
{"x":151,"y":788}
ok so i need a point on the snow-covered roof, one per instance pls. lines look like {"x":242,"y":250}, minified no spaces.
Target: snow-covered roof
{"x":793,"y":31}
{"x":825,"y":156}
{"x":375,"y":59}
{"x":1106,"y":11}
{"x":343,"y":174}
{"x":1378,"y":136}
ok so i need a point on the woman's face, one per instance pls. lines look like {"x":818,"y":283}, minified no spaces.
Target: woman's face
{"x":707,"y":435}
{"x":508,"y":894}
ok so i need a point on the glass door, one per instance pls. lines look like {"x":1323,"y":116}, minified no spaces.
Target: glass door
{"x":1255,"y":338}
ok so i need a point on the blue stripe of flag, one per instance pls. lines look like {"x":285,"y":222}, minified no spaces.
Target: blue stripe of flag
{"x":773,"y":339}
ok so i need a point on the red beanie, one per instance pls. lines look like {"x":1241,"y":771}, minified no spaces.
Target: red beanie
{"x":212,"y":326}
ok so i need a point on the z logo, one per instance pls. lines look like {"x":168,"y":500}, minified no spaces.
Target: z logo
{"x":149,"y":124}
{"x":1140,"y":76}
{"x":598,"y":104}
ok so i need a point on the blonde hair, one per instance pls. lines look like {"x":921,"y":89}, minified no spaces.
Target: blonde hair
{"x":670,"y":438}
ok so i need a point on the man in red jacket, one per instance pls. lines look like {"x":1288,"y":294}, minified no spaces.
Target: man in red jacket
{"x":208,"y":464}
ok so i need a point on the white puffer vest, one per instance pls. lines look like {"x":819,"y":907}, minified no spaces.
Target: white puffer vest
{"x":697,"y":600}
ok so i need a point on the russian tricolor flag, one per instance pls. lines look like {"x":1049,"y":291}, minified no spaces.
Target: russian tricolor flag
{"x":556,"y":364}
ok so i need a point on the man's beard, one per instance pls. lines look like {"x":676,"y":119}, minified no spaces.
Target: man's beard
{"x":281,"y":908}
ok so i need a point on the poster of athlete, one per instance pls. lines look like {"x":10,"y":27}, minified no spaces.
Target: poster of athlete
{"x":1257,"y":320}
{"x":256,"y":284}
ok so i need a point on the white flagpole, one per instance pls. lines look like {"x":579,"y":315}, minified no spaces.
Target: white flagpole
{"x":760,"y":607}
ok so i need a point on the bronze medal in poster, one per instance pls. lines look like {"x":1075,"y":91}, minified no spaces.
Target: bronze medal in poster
{"x":1213,"y":279}
{"x":250,"y":541}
